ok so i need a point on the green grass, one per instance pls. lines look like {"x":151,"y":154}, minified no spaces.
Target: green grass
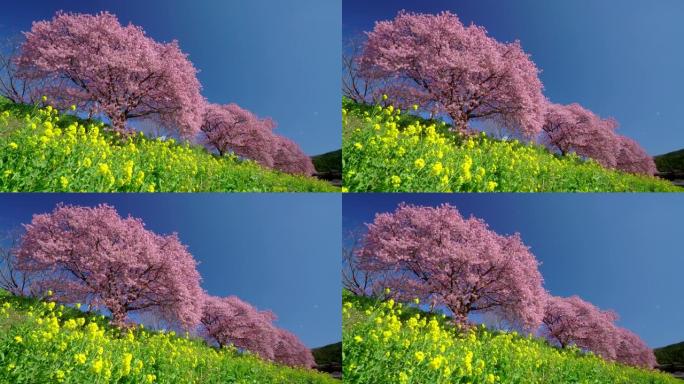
{"x":385,"y":342}
{"x":47,"y":343}
{"x":42,"y":150}
{"x":385,"y":150}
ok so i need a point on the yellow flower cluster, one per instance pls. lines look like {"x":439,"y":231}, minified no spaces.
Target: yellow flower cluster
{"x":50,"y":343}
{"x":385,"y":150}
{"x":46,"y":151}
{"x":397,"y":343}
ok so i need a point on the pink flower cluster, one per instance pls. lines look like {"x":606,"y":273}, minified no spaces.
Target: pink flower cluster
{"x":573,"y":128}
{"x":573,"y":321}
{"x":95,"y":257}
{"x":229,"y":128}
{"x":436,"y":255}
{"x":231,"y":321}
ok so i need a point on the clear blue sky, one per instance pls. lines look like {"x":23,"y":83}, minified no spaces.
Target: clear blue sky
{"x":619,"y":251}
{"x":276,"y":58}
{"x":276,"y":251}
{"x":619,"y":58}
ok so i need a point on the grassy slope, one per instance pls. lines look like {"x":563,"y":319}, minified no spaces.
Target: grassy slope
{"x":477,"y":356}
{"x":27,"y":164}
{"x":43,"y":345}
{"x":383,"y":160}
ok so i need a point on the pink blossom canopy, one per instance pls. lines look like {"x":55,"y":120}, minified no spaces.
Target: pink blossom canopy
{"x":229,"y":128}
{"x":433,"y":253}
{"x":95,"y":62}
{"x":231,"y":321}
{"x":573,"y":321}
{"x":94,"y":256}
{"x":435,"y":59}
{"x":290,"y":351}
{"x":633,"y":158}
{"x":572,"y":128}
{"x":290,"y":158}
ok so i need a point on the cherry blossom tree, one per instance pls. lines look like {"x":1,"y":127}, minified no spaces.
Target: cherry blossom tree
{"x":633,"y":158}
{"x":631,"y":350}
{"x":94,"y":256}
{"x":573,"y":321}
{"x":229,"y":128}
{"x":98,"y":64}
{"x":290,"y":351}
{"x":435,"y":254}
{"x":290,"y":158}
{"x":461,"y":70}
{"x":231,"y":321}
{"x":573,"y":128}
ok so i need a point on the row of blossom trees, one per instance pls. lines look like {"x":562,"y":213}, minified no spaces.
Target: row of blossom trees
{"x":436,"y":62}
{"x":448,"y":261}
{"x":93,"y":256}
{"x":101,"y":66}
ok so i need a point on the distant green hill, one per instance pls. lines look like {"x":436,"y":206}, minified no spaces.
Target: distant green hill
{"x":671,"y":357}
{"x":328,"y":162}
{"x":670,"y":162}
{"x":329,"y":166}
{"x":329,"y":354}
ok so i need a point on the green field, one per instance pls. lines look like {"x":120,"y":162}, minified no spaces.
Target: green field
{"x":387,"y":150}
{"x":386,"y":342}
{"x":42,"y":150}
{"x":41,"y":342}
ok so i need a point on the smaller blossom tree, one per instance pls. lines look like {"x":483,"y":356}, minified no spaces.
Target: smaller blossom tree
{"x":573,"y":321}
{"x":573,"y":128}
{"x":633,"y":158}
{"x":231,"y":321}
{"x":290,"y":351}
{"x":229,"y":128}
{"x":290,"y":158}
{"x":98,"y":64}
{"x":460,"y":70}
{"x":94,"y":256}
{"x":631,"y":350}
{"x":433,"y":253}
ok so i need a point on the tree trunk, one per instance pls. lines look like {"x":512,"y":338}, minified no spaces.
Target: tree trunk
{"x":119,"y":317}
{"x":119,"y":123}
{"x":460,"y":123}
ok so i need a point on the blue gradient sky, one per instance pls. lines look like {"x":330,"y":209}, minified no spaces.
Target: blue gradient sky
{"x":276,"y":58}
{"x":618,"y":251}
{"x":276,"y":251}
{"x":619,"y":58}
